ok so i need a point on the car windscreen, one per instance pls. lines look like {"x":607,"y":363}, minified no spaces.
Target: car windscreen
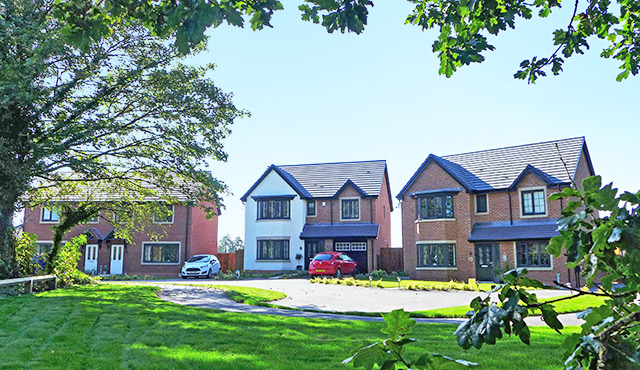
{"x":323,"y":257}
{"x":199,"y":259}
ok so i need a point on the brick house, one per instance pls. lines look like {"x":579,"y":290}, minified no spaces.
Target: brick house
{"x":468,"y":215}
{"x":184,"y":233}
{"x":306,"y":209}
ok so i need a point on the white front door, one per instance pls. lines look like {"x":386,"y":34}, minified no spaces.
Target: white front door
{"x":91,"y":258}
{"x":117,"y":255}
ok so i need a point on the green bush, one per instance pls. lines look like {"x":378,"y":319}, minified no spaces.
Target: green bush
{"x":378,"y":274}
{"x":66,"y":263}
{"x":26,"y":255}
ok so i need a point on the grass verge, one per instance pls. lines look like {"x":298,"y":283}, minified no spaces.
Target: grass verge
{"x":572,"y":305}
{"x":405,"y":284}
{"x":111,"y":326}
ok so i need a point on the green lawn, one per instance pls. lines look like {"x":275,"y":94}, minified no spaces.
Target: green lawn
{"x":571,"y":305}
{"x":116,"y":326}
{"x":387,"y":282}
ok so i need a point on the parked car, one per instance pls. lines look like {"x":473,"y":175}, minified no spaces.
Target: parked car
{"x":206,"y":265}
{"x":332,"y":263}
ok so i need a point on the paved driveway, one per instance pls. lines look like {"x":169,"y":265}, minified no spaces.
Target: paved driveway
{"x":303,"y":294}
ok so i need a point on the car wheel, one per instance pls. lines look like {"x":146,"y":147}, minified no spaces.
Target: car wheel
{"x":210,"y":274}
{"x":338,"y":274}
{"x":182,"y":276}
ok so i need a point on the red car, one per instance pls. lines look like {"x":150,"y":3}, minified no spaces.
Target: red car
{"x":332,"y":263}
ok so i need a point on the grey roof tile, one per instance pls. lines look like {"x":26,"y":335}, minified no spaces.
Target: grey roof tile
{"x":520,"y":230}
{"x":342,"y":230}
{"x":323,"y":180}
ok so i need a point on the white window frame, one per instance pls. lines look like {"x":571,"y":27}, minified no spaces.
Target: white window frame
{"x":515,"y":260}
{"x":359,"y":246}
{"x":359,"y":209}
{"x":475,"y":204}
{"x":43,"y":221}
{"x":97,"y":221}
{"x":342,"y":247}
{"x":273,"y":260}
{"x":546,"y":202}
{"x":436,"y":268}
{"x":173,"y":217}
{"x":160,"y":263}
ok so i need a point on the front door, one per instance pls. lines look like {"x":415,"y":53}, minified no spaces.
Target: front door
{"x":487,"y":259}
{"x":117,"y":255}
{"x":91,"y":258}
{"x":311,"y":248}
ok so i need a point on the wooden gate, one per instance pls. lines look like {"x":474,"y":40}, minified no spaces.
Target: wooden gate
{"x":390,"y":259}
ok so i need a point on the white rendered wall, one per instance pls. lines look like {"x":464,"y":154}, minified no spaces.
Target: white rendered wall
{"x":290,"y":229}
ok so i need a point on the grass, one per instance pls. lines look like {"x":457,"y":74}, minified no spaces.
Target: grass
{"x":247,"y":295}
{"x":119,"y":326}
{"x":405,"y":284}
{"x":573,"y":305}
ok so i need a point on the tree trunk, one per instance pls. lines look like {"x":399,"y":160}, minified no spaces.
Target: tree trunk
{"x":8,"y":200}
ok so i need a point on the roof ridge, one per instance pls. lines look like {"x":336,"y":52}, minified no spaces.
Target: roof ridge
{"x":318,"y":164}
{"x":514,"y":146}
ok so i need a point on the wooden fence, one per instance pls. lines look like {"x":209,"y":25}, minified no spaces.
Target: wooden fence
{"x":231,"y":261}
{"x":28,"y":281}
{"x":390,"y":259}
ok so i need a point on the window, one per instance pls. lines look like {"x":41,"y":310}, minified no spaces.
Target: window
{"x":533,"y":202}
{"x":273,"y":249}
{"x":350,"y":209}
{"x":437,"y":255}
{"x":311,"y":208}
{"x":42,"y":248}
{"x":49,"y":215}
{"x":94,"y":220}
{"x":343,"y":247}
{"x":359,"y":246}
{"x":435,"y":206}
{"x":481,"y":203}
{"x":273,"y":209}
{"x":161,"y":253}
{"x":164,"y":217}
{"x":533,"y":254}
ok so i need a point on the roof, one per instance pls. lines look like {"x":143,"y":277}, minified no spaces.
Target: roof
{"x":326,"y":180}
{"x":343,"y":230}
{"x":503,"y":168}
{"x":545,"y":228}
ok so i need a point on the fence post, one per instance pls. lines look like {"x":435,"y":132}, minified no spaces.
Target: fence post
{"x":30,"y":286}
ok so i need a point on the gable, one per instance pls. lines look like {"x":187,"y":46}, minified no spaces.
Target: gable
{"x":272,"y":184}
{"x":431,"y":177}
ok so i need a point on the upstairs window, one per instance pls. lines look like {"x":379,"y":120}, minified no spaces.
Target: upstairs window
{"x":350,"y":209}
{"x":270,"y":209}
{"x":49,"y":215}
{"x":435,"y":206}
{"x":533,"y":254}
{"x":481,"y":203}
{"x":311,"y":208}
{"x":164,"y":217}
{"x":533,"y":202}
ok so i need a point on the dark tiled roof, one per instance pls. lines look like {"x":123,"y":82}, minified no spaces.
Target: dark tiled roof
{"x":323,"y":180}
{"x":502,"y":168}
{"x":346,"y":230}
{"x":295,"y":185}
{"x":520,"y":230}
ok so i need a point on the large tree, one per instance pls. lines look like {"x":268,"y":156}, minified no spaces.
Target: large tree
{"x":121,"y":113}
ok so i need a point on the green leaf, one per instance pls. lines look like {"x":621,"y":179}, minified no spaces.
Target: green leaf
{"x":398,"y":323}
{"x":368,"y":357}
{"x":550,"y":317}
{"x":591,"y":184}
{"x":441,"y":362}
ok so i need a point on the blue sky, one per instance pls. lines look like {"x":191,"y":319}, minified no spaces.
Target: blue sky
{"x":319,"y":97}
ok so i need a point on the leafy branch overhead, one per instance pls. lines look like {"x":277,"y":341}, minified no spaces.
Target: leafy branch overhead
{"x":463,"y":25}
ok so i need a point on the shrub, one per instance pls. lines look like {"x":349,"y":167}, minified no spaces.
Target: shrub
{"x":378,"y":274}
{"x":66,"y":263}
{"x":26,"y":255}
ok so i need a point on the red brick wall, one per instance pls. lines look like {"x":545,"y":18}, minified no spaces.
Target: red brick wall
{"x":382,"y":213}
{"x":434,"y":177}
{"x":202,"y":239}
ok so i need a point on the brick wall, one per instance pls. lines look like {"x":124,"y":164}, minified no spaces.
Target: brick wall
{"x":202,"y":239}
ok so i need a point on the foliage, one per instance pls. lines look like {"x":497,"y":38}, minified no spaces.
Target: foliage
{"x":65,"y":266}
{"x":26,"y":254}
{"x":228,"y":245}
{"x":600,"y":233}
{"x":389,"y":352}
{"x":125,"y":277}
{"x":95,"y":100}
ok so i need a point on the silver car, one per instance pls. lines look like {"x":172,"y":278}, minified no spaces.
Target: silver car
{"x":206,"y":265}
